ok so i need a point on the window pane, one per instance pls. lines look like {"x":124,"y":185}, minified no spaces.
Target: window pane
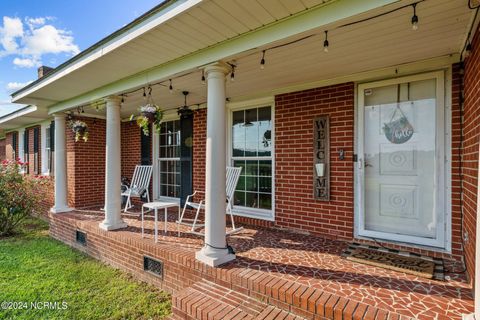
{"x":265,"y":168}
{"x":238,"y":134}
{"x":265,"y":184}
{"x":240,"y":163}
{"x":264,"y":132}
{"x":239,"y":198}
{"x":241,"y":183}
{"x":251,"y":133}
{"x":251,"y":168}
{"x":251,"y":199}
{"x":251,"y":183}
{"x":265,"y":201}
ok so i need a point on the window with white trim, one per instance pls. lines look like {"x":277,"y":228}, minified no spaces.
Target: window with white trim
{"x":48,"y":149}
{"x":169,"y":159}
{"x":252,"y":145}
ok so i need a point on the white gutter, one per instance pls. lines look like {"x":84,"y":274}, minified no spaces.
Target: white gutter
{"x":17,"y":113}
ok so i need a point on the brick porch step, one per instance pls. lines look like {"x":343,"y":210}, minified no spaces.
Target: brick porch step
{"x":205,"y":300}
{"x":308,"y":302}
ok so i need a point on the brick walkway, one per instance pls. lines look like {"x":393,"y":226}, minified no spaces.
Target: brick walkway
{"x":302,"y":272}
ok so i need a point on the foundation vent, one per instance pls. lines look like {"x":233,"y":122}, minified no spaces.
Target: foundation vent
{"x":81,"y":238}
{"x":153,"y":266}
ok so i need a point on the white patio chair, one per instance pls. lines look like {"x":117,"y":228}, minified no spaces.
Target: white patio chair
{"x":232,"y":176}
{"x":139,"y":185}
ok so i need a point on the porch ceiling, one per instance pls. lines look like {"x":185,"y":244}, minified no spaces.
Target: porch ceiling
{"x":204,"y":24}
{"x":374,"y":44}
{"x":379,"y":43}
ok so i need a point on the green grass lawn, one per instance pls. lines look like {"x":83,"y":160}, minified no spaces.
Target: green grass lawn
{"x":35,"y":269}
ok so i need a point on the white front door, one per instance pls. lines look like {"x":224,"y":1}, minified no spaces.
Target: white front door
{"x":401,"y":160}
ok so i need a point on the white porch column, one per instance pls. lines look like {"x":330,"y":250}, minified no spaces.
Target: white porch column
{"x":113,"y":218}
{"x":61,"y":204}
{"x":215,"y":252}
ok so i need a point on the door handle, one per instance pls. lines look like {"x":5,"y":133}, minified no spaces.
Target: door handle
{"x":367,"y":164}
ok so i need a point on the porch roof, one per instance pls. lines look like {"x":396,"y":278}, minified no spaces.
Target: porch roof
{"x":181,"y":36}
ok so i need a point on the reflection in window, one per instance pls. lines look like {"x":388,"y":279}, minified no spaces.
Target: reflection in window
{"x":252,"y":150}
{"x":169,"y":159}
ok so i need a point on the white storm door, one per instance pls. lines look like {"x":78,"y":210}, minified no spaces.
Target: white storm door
{"x":401,"y":160}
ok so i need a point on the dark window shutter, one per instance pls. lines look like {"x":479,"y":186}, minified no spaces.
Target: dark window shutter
{"x":52,"y":148}
{"x":14,"y":144}
{"x":36,"y":141}
{"x":186,"y":157}
{"x":52,"y":135}
{"x":25,"y":142}
{"x":146,"y":149}
{"x":26,"y":147}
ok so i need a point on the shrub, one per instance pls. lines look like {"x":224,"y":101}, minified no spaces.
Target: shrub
{"x":20,"y":195}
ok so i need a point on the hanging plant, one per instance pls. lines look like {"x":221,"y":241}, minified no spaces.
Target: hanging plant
{"x":150,"y":114}
{"x":80,"y":129}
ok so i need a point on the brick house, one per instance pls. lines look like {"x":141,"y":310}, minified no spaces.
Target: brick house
{"x":400,"y":152}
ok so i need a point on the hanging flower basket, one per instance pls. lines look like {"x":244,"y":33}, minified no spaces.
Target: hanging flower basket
{"x":149,"y":111}
{"x":150,"y":114}
{"x":80,"y":129}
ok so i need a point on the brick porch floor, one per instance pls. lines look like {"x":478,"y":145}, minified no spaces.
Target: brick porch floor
{"x":300,"y":273}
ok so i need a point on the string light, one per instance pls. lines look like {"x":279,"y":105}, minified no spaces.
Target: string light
{"x":415,"y":17}
{"x":414,"y":20}
{"x":123,"y":99}
{"x":232,"y":74}
{"x":262,"y":62}
{"x":325,"y":43}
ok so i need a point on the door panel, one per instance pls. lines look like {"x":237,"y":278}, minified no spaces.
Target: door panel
{"x":401,"y":143}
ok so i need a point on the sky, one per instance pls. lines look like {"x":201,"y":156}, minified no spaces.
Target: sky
{"x":49,"y":32}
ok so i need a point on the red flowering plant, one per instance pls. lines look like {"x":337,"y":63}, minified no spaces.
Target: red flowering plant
{"x":20,"y":195}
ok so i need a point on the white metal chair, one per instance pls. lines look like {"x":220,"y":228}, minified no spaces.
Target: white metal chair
{"x":232,"y":176}
{"x":139,"y":185}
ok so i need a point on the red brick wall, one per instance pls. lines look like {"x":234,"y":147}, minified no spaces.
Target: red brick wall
{"x":9,"y":145}
{"x":199,"y":148}
{"x":471,"y":131}
{"x":86,"y":166}
{"x":457,"y":248}
{"x":3,"y":145}
{"x":295,"y":206}
{"x":131,"y":148}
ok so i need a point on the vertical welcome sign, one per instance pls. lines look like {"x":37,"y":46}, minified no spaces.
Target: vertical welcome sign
{"x":321,"y":158}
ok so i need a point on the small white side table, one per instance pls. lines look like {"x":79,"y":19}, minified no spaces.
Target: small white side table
{"x":159,"y":205}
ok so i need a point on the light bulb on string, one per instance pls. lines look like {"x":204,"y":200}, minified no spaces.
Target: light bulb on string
{"x":170,"y":87}
{"x":262,"y":62}
{"x":325,"y":42}
{"x":144,"y":94}
{"x":203,"y":77}
{"x":232,"y":74}
{"x":414,"y":17}
{"x":468,"y":49}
